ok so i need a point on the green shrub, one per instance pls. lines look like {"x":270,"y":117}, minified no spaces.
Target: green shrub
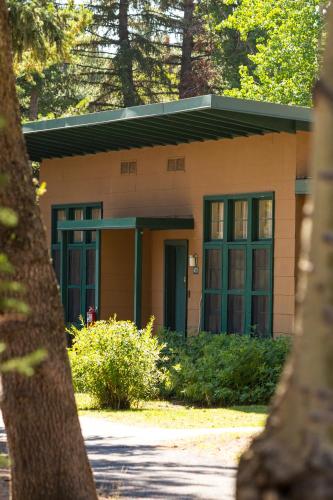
{"x":115,"y":362}
{"x":221,"y":369}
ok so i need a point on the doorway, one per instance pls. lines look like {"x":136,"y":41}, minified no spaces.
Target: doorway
{"x":175,"y":279}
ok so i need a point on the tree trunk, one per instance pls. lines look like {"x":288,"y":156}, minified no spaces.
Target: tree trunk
{"x":44,"y":437}
{"x":33,"y":105}
{"x":186,"y":78}
{"x":125,"y":58}
{"x":293,"y":458}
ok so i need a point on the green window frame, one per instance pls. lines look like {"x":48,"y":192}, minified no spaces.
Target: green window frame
{"x":238,"y":264}
{"x":65,"y":245}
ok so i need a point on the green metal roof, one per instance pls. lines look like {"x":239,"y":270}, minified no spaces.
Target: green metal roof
{"x":127,"y":223}
{"x":187,"y":120}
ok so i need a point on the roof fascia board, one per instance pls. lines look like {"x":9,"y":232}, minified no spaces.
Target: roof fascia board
{"x":105,"y":117}
{"x":273,"y":110}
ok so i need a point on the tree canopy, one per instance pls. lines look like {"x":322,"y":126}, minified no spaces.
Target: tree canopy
{"x":72,"y":57}
{"x":286,"y":59}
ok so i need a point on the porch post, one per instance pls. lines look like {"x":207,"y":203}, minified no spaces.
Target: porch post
{"x":138,"y":277}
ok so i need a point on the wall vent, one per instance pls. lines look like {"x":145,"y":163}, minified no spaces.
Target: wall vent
{"x":128,"y":168}
{"x":176,"y":164}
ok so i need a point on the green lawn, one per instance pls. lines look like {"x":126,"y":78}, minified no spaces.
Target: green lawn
{"x":169,"y":415}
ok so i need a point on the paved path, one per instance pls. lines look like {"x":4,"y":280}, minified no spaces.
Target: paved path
{"x":141,"y":462}
{"x":145,"y":462}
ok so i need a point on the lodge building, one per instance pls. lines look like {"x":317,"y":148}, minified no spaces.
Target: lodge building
{"x":188,"y":211}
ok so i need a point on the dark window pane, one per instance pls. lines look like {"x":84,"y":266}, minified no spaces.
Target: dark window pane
{"x":240,"y":219}
{"x":216,"y":222}
{"x":260,"y":315}
{"x":56,"y":263}
{"x":90,"y":262}
{"x":74,"y":305}
{"x":236,"y":269}
{"x":74,"y":274}
{"x":265,"y":222}
{"x":213,"y":268}
{"x":212,"y":313}
{"x":90,"y":298}
{"x":61,"y":215}
{"x":260,"y":277}
{"x":78,"y":215}
{"x":236,"y":314}
{"x":96,"y":213}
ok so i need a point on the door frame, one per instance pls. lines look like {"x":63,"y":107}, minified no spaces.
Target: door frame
{"x":173,"y":243}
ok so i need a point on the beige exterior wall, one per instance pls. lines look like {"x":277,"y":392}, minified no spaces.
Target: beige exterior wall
{"x":243,"y":165}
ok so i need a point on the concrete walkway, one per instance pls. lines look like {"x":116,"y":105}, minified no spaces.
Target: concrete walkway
{"x":143,"y":462}
{"x":147,"y":462}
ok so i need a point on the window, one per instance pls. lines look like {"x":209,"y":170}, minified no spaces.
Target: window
{"x":238,"y":253}
{"x":176,"y":164}
{"x":128,"y":167}
{"x":77,"y":269}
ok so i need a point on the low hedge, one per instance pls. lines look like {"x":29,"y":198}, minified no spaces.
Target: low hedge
{"x":221,"y":369}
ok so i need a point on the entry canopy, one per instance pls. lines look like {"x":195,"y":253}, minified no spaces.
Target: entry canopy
{"x":202,"y":118}
{"x":128,"y":223}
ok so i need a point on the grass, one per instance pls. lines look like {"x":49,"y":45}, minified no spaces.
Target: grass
{"x":177,"y":416}
{"x":226,"y":447}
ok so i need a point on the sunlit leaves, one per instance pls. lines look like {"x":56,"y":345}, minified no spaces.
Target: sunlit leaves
{"x":287,"y":55}
{"x":8,"y":217}
{"x":24,"y":365}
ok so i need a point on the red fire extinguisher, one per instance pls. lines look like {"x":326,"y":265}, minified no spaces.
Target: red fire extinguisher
{"x":91,"y":316}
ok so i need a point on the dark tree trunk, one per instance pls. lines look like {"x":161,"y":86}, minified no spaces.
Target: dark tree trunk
{"x":125,"y":58}
{"x":186,"y":77}
{"x":293,"y":458}
{"x":44,"y":438}
{"x":33,"y":105}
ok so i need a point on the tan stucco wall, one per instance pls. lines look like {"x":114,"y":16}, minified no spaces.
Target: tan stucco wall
{"x":243,"y":165}
{"x":303,"y":154}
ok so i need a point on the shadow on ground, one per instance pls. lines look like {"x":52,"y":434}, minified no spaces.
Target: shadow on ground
{"x":157,"y":472}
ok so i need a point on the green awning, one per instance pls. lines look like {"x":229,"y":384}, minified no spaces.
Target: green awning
{"x":157,"y":223}
{"x":208,"y":117}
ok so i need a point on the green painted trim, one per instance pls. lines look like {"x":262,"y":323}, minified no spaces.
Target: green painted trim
{"x":303,"y":186}
{"x":157,"y":223}
{"x":66,"y":244}
{"x":249,"y":245}
{"x":138,"y":277}
{"x":210,"y":101}
{"x":187,"y":120}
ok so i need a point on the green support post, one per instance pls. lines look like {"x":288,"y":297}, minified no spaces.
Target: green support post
{"x":138,"y":277}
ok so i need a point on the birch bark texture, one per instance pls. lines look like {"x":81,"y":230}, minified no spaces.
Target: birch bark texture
{"x":293,"y":457}
{"x":46,"y":448}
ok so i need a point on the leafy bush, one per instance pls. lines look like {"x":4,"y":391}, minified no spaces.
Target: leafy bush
{"x":115,"y":362}
{"x":221,"y":369}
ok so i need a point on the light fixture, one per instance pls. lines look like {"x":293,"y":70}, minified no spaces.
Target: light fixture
{"x":193,"y":263}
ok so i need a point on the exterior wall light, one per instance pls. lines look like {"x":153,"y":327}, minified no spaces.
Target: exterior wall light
{"x":193,"y":263}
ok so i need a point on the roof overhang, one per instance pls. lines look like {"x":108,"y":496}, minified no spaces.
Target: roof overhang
{"x":208,"y":117}
{"x":157,"y":223}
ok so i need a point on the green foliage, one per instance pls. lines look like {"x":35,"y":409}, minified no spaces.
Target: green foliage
{"x":222,"y":369}
{"x":115,"y":362}
{"x":24,"y":365}
{"x":287,"y":53}
{"x":10,"y":299}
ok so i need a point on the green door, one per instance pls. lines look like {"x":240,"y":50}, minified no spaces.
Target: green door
{"x":176,"y":285}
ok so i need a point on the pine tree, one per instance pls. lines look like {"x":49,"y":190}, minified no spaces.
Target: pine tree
{"x":124,"y":54}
